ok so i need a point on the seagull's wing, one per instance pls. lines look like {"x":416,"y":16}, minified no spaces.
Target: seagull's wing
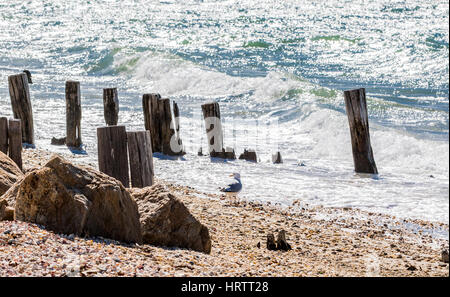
{"x":234,"y":187}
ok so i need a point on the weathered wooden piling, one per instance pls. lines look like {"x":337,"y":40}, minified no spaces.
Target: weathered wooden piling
{"x":163,"y":130}
{"x":112,"y":152}
{"x":356,"y":107}
{"x":249,"y":155}
{"x":15,"y":141}
{"x":141,"y":158}
{"x":276,"y":158}
{"x":111,"y":106}
{"x":21,"y":105}
{"x":176,"y":121}
{"x":4,"y":135}
{"x":214,"y":132}
{"x":73,"y":114}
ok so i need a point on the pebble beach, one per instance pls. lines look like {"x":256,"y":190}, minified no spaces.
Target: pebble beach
{"x":325,"y":242}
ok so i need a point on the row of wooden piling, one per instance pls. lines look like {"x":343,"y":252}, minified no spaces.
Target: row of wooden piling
{"x":11,"y":139}
{"x":122,"y":153}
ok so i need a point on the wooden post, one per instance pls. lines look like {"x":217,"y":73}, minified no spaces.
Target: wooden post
{"x":248,"y":155}
{"x":4,"y":135}
{"x":213,"y":125}
{"x":21,"y":105}
{"x":356,"y":106}
{"x":176,"y":120}
{"x":112,"y":152}
{"x":158,"y":120}
{"x":111,"y":106}
{"x":73,"y":114}
{"x":141,"y":158}
{"x":15,"y":141}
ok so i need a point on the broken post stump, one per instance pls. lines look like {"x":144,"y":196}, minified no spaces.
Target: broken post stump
{"x":112,"y":153}
{"x":248,"y":155}
{"x":21,"y":105}
{"x":141,"y":158}
{"x":4,"y":135}
{"x":276,"y":158}
{"x":214,"y":131}
{"x":356,"y":107}
{"x":15,"y":141}
{"x":111,"y":106}
{"x":163,"y":130}
{"x":73,"y":114}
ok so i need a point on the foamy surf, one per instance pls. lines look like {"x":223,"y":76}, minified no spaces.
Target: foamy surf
{"x":280,"y":77}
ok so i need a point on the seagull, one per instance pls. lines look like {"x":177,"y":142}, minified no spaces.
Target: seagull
{"x":234,"y":187}
{"x":28,"y":73}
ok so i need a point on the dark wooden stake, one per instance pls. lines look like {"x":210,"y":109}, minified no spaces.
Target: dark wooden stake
{"x":15,"y":141}
{"x":4,"y":135}
{"x":112,"y":152}
{"x":158,"y":120}
{"x":214,"y":132}
{"x":111,"y":106}
{"x":276,"y":158}
{"x":356,"y":106}
{"x":141,"y":158}
{"x":73,"y":114}
{"x":21,"y":105}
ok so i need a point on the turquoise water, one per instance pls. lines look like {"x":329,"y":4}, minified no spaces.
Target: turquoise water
{"x":265,"y":62}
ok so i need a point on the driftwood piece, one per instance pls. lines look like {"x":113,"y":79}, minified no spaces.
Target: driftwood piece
{"x":356,"y":107}
{"x":73,"y":114}
{"x":4,"y":135}
{"x":213,"y":125}
{"x":276,"y":158}
{"x":248,"y":155}
{"x":141,"y":159}
{"x":111,"y":106}
{"x":163,"y":129}
{"x":21,"y":105}
{"x":15,"y":141}
{"x":112,"y":152}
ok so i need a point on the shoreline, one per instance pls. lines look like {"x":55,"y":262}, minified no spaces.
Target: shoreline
{"x":325,"y":242}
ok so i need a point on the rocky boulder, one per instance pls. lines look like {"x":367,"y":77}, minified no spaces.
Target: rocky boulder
{"x":9,"y":173}
{"x":166,"y":221}
{"x":71,"y":199}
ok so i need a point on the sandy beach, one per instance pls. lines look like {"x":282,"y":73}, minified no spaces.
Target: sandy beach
{"x":325,"y":242}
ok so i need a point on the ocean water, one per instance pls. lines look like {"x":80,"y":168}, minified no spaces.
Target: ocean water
{"x":278,"y":70}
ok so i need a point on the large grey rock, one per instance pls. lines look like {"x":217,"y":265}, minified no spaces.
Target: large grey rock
{"x":9,"y":173}
{"x":166,"y":221}
{"x":77,"y":200}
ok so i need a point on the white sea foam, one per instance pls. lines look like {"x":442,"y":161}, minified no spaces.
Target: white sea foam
{"x":265,"y":62}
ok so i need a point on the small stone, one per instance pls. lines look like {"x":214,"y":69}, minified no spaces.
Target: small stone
{"x":411,"y":268}
{"x":258,"y":245}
